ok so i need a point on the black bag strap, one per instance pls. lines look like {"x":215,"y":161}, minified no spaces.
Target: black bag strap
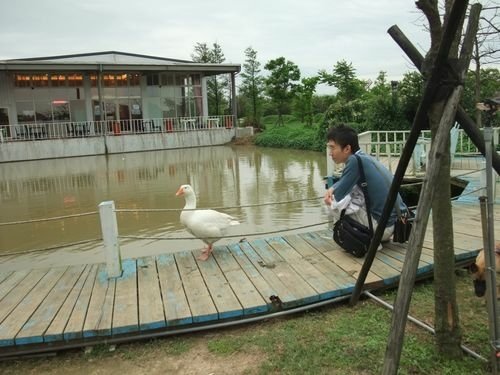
{"x":364,"y":188}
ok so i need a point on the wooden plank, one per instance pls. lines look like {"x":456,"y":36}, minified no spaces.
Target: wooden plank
{"x":344,"y":260}
{"x":32,"y":332}
{"x":303,"y":292}
{"x":151,"y":314}
{"x":266,"y":290}
{"x":343,"y":281}
{"x":16,"y":294}
{"x":463,"y":243}
{"x":323,"y":286}
{"x":200,"y":302}
{"x":76,"y":322}
{"x":332,"y":251}
{"x":175,"y":302}
{"x":281,"y":294}
{"x":125,"y":312}
{"x":223,"y":296}
{"x":464,"y":227}
{"x":389,"y":272}
{"x":3,"y":276}
{"x":246,"y":292}
{"x":98,"y":321}
{"x":8,"y":284}
{"x":18,"y":317}
{"x":55,"y":331}
{"x":398,"y":252}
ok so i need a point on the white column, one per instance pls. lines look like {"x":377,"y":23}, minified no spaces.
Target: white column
{"x":109,"y":229}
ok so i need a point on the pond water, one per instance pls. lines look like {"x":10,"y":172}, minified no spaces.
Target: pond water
{"x":224,"y":177}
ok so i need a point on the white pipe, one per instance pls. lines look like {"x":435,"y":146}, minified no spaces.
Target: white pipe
{"x":423,"y":325}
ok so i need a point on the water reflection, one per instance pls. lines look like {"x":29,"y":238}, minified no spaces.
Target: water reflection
{"x":223,"y":176}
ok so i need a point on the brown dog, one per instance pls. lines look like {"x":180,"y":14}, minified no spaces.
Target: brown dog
{"x":478,"y":270}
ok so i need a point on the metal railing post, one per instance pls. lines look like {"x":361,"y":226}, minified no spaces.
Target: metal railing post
{"x":109,"y":229}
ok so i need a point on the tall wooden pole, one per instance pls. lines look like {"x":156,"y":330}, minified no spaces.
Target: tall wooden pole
{"x":410,"y":265}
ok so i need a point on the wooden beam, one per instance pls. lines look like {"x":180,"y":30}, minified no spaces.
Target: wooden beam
{"x":466,"y":123}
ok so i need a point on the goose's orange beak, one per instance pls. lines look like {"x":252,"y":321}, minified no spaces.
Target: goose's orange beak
{"x":180,"y":191}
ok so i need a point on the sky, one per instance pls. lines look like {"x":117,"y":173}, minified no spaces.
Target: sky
{"x":313,"y":34}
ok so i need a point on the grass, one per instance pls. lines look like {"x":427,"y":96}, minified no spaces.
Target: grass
{"x":332,"y":340}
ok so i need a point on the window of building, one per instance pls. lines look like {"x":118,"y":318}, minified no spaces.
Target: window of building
{"x":4,"y":116}
{"x":22,"y":80}
{"x":167,"y":79}
{"x":58,"y":80}
{"x":153,"y":79}
{"x":25,"y":111}
{"x":40,"y":80}
{"x":43,"y":111}
{"x":75,"y":80}
{"x":121,"y":80}
{"x":134,"y":79}
{"x":109,"y":80}
{"x":93,"y":80}
{"x":60,"y":108}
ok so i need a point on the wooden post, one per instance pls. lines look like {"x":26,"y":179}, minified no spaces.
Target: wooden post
{"x":109,"y":229}
{"x":410,"y":265}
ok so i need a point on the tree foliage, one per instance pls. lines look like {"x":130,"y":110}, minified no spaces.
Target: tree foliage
{"x":344,"y":79}
{"x":486,"y":51}
{"x":409,"y":92}
{"x":217,"y":87}
{"x":383,"y":107}
{"x":252,"y":87}
{"x":304,"y":99}
{"x":280,"y":84}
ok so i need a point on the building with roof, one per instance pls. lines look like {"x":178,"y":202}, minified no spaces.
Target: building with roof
{"x":107,"y":93}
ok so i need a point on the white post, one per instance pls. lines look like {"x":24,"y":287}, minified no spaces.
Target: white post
{"x":109,"y":229}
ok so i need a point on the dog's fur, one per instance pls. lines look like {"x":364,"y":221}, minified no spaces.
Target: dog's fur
{"x":478,"y":270}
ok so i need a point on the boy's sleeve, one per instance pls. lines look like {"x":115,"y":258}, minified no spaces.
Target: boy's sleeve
{"x":348,"y":180}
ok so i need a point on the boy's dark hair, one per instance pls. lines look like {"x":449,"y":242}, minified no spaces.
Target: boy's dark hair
{"x":344,"y":135}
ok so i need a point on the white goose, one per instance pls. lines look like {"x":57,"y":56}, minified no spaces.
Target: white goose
{"x":207,"y":225}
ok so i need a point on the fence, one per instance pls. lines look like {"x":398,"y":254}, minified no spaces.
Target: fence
{"x":388,"y":145}
{"x":80,"y":129}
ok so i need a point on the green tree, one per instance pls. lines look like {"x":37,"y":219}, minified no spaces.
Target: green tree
{"x":486,"y":50}
{"x":252,"y":87}
{"x":202,"y":53}
{"x":383,"y":108}
{"x":344,"y":79}
{"x":410,"y":90}
{"x":304,"y":99}
{"x":280,"y":83}
{"x":217,"y":87}
{"x":349,"y":103}
{"x":489,"y":86}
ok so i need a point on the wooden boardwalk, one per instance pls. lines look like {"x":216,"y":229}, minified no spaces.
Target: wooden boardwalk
{"x":48,"y":309}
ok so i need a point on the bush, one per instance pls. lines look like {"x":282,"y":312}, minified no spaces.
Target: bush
{"x":290,"y":136}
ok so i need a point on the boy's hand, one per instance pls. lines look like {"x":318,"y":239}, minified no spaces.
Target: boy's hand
{"x":328,"y":197}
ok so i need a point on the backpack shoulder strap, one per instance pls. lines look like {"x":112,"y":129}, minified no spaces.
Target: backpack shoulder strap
{"x":364,"y":188}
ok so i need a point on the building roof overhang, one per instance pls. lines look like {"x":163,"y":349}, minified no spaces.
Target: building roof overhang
{"x":112,"y":62}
